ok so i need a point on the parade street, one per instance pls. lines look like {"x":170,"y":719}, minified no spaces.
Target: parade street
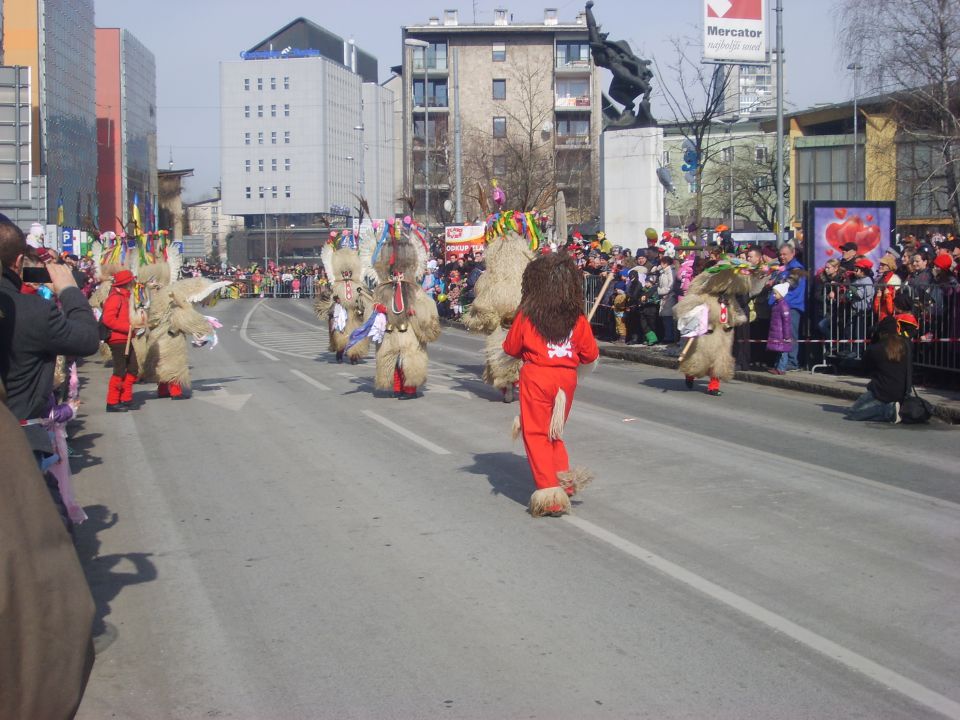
{"x":290,"y":544}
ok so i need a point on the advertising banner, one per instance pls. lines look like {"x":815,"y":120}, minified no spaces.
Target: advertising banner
{"x":461,"y":239}
{"x":735,"y":31}
{"x":830,"y":224}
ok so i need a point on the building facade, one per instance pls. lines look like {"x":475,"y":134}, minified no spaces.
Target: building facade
{"x":522,"y":99}
{"x":305,"y":130}
{"x":55,"y":39}
{"x":751,"y":90}
{"x":126,"y":129}
{"x":207,"y":219}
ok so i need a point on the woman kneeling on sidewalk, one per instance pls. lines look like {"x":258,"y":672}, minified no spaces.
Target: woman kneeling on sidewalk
{"x":886,"y":361}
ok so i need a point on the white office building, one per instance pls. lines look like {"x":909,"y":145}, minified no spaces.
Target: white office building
{"x":305,"y":128}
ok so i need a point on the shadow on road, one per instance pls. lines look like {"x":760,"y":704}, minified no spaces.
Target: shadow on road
{"x":508,"y":475}
{"x":81,"y":445}
{"x":668,"y":384}
{"x":104,"y":580}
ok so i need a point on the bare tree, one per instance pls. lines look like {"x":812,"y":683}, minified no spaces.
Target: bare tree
{"x":918,"y":59}
{"x":754,"y":177}
{"x":694,"y":96}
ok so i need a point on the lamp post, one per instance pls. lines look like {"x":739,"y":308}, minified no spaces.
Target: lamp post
{"x":856,"y":67}
{"x":423,"y":44}
{"x":266,"y":256}
{"x":362,"y":181}
{"x":729,"y":121}
{"x":276,"y":240}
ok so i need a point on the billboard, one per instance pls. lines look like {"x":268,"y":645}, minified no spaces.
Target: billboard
{"x":830,"y":224}
{"x":735,"y":31}
{"x":462,"y":239}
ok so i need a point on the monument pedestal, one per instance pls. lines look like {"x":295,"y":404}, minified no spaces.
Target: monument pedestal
{"x":631,"y":196}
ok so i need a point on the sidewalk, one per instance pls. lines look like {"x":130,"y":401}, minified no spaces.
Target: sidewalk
{"x":946,"y":403}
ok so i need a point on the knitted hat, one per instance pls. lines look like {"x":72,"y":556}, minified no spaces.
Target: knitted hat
{"x":864,"y":263}
{"x":782,"y":289}
{"x":123,"y":277}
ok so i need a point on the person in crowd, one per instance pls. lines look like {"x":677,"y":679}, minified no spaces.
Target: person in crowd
{"x":885,"y":360}
{"x":792,"y":271}
{"x":859,"y":295}
{"x":780,"y":340}
{"x":829,"y":291}
{"x":888,"y":285}
{"x":553,"y":337}
{"x":620,"y":301}
{"x":849,"y":257}
{"x":35,"y":332}
{"x":668,"y":298}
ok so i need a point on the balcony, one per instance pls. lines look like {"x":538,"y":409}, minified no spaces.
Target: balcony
{"x":573,"y":141}
{"x":437,"y":102}
{"x":579,"y":102}
{"x":572,"y":67}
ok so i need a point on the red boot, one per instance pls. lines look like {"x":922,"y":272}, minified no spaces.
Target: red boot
{"x":163,"y":390}
{"x":114,"y":390}
{"x":176,"y":392}
{"x":713,"y":387}
{"x":126,"y":390}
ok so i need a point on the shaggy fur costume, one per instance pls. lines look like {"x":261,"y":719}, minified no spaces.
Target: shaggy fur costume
{"x":497,"y":296}
{"x":710,"y":355}
{"x":344,"y":268}
{"x":412,"y":320}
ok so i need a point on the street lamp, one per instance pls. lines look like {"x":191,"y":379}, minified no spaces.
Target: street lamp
{"x":729,"y":121}
{"x":856,"y":67}
{"x":359,"y":128}
{"x":266,"y":256}
{"x":423,"y":44}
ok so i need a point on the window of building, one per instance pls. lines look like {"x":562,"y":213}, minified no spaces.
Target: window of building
{"x":499,"y":89}
{"x":246,"y":83}
{"x":246,"y":138}
{"x":286,"y":163}
{"x":248,"y":192}
{"x":499,"y":127}
{"x":761,"y":153}
{"x":499,"y":52}
{"x":573,"y":54}
{"x":273,"y":191}
{"x":246,"y":166}
{"x":246,"y":111}
{"x":262,"y":190}
{"x":438,"y":129}
{"x":286,"y":137}
{"x":286,"y":83}
{"x":824,"y":173}
{"x":573,"y":92}
{"x":286,"y":191}
{"x":273,"y":83}
{"x":692,"y":187}
{"x":273,"y":164}
{"x":436,"y":93}
{"x":273,"y":137}
{"x":433,"y":57}
{"x":286,"y":110}
{"x":259,"y":110}
{"x":259,"y":83}
{"x":573,"y":128}
{"x":499,"y":165}
{"x":728,"y":154}
{"x":273,"y":111}
{"x":921,"y":180}
{"x":666,"y":158}
{"x":260,"y":138}
{"x":259,"y":165}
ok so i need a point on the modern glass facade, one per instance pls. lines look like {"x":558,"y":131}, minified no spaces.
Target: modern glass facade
{"x":139,"y":91}
{"x":68,"y":134}
{"x":826,"y":173}
{"x":921,"y":180}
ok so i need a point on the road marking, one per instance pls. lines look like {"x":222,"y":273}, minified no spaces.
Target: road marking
{"x":858,"y":663}
{"x":346,"y":375}
{"x":313,"y":326}
{"x":222,"y":398}
{"x":423,"y":442}
{"x":268,"y":356}
{"x":306,"y":378}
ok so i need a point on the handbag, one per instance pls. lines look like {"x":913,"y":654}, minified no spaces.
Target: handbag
{"x":914,"y":410}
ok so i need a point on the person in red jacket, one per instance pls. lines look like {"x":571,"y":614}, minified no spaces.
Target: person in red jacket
{"x":553,"y":337}
{"x":116,"y":316}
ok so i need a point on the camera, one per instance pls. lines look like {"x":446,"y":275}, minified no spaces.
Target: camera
{"x":36,"y":275}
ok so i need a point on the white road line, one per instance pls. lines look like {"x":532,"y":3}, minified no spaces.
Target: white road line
{"x":423,"y":442}
{"x":306,"y":378}
{"x":858,"y":663}
{"x":268,"y":356}
{"x":346,"y":375}
{"x":312,"y":326}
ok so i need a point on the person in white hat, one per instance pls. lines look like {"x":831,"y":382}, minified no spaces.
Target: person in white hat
{"x":780,"y":338}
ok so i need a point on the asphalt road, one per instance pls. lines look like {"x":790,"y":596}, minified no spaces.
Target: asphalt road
{"x":287,"y":544}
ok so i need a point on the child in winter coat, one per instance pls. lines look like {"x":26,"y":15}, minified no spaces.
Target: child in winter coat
{"x":780,"y":339}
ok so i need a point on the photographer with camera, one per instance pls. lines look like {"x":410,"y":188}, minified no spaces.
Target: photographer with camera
{"x":34,"y":331}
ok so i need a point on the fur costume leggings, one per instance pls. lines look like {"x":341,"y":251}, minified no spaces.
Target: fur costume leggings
{"x":538,"y":391}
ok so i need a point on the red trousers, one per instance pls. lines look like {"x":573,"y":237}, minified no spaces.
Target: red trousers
{"x":399,"y":383}
{"x":538,"y":391}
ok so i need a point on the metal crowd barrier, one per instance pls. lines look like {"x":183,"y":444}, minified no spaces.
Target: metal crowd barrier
{"x":847,"y":316}
{"x":603,"y":318}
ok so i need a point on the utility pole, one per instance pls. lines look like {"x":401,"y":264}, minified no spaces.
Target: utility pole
{"x":780,"y":210}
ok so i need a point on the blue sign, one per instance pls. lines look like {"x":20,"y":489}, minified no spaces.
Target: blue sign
{"x":275,"y":54}
{"x":66,"y":241}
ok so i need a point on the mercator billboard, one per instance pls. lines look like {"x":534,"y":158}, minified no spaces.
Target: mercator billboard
{"x":735,"y":31}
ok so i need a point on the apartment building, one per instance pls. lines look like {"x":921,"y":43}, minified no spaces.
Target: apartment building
{"x":518,"y":102}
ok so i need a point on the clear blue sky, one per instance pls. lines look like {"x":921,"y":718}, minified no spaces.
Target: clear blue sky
{"x":189,"y":39}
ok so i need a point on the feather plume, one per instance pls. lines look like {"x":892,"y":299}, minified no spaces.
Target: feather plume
{"x":482,"y":200}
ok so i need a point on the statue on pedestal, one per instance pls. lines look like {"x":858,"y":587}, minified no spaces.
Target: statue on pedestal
{"x":631,"y":79}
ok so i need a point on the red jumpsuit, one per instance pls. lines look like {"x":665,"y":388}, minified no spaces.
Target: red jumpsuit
{"x":547,"y":368}
{"x":116,"y":316}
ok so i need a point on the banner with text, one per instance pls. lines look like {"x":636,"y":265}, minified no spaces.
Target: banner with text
{"x":462,"y":239}
{"x":735,"y":31}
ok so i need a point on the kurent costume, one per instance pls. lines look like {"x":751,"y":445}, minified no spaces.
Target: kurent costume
{"x":400,"y":260}
{"x":344,"y":266}
{"x":512,"y":241}
{"x":553,"y":338}
{"x":707,"y":315}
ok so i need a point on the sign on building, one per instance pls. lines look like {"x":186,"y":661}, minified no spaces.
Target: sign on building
{"x":194,"y":246}
{"x":735,"y":31}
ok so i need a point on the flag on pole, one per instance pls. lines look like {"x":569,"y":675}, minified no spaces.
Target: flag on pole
{"x":60,"y":209}
{"x":136,"y":213}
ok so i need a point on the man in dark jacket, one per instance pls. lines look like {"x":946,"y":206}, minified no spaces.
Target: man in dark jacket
{"x":34,"y":331}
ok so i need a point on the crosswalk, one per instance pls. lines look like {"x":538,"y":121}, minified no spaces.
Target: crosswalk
{"x":303,"y":343}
